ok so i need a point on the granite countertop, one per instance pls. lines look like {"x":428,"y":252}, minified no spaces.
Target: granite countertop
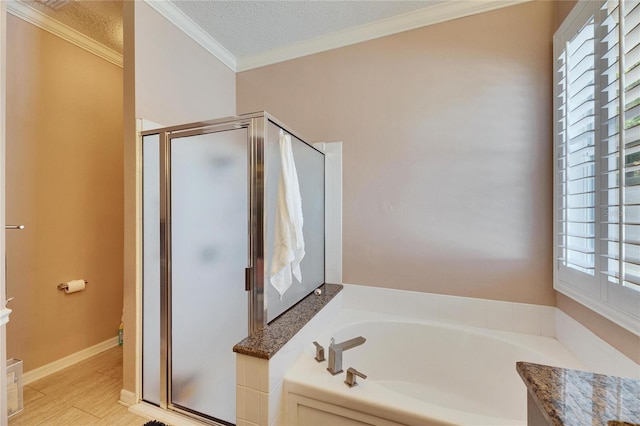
{"x":575,"y":398}
{"x":265,"y":343}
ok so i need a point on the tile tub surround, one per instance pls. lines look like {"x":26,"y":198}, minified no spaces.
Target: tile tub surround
{"x":571,"y":397}
{"x":260,"y":372}
{"x":265,"y":343}
{"x":596,"y":354}
{"x":525,"y":318}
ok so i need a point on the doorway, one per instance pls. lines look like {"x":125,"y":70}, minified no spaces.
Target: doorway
{"x":64,"y":179}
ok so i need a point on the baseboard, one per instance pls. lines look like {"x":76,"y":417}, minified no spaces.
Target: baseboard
{"x":68,"y":361}
{"x":127,"y":398}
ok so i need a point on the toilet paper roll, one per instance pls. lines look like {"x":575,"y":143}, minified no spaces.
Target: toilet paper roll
{"x":74,"y":286}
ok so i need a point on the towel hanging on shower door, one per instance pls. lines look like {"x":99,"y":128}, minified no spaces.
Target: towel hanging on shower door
{"x":288,"y":241}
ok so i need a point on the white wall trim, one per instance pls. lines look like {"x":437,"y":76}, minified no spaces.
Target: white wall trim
{"x":440,"y":12}
{"x":40,"y":20}
{"x":137,"y":394}
{"x":55,"y":366}
{"x":127,"y":398}
{"x":178,"y":18}
{"x":4,"y":316}
{"x":624,"y":319}
{"x":144,"y":124}
{"x":3,"y":103}
{"x":332,"y":210}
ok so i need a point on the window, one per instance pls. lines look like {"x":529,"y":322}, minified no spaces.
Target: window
{"x":597,"y":154}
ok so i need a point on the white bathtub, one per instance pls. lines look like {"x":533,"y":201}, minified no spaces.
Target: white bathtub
{"x":419,"y":373}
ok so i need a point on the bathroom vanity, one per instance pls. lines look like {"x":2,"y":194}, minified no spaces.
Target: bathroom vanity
{"x":564,"y":397}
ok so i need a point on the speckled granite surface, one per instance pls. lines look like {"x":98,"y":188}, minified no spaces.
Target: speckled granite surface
{"x":577,"y":398}
{"x":265,"y":343}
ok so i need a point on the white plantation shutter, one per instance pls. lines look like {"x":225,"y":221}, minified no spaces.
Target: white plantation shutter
{"x":611,"y":136}
{"x":630,"y":99}
{"x":597,"y":149}
{"x":578,"y":156}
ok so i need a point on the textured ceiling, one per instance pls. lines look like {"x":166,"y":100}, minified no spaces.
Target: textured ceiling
{"x":243,"y":27}
{"x":100,"y":20}
{"x":247,"y":28}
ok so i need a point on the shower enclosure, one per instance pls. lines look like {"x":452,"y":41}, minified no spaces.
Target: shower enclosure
{"x":209,"y":199}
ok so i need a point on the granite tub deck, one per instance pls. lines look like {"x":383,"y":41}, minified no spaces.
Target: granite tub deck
{"x":266,"y":342}
{"x":574,"y":398}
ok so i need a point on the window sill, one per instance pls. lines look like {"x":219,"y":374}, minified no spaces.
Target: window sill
{"x":618,"y":316}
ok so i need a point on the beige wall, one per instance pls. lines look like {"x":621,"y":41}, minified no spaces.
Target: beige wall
{"x":177,"y":81}
{"x":131,"y":296}
{"x":447,"y":150}
{"x":64,"y":183}
{"x":442,"y":108}
{"x":169,"y":79}
{"x":563,"y":8}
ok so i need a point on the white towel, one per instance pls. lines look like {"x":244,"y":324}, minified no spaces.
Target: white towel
{"x":288,"y":241}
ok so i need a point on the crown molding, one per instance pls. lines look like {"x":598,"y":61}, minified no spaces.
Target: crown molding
{"x":47,"y":23}
{"x":177,"y":17}
{"x":437,"y":13}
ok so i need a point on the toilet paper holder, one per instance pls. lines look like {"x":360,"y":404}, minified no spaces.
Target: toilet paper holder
{"x":63,"y":286}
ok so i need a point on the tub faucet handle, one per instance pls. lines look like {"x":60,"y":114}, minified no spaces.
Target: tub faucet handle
{"x":351,"y":377}
{"x":319,"y":352}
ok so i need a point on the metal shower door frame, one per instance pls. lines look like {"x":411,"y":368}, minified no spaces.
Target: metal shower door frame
{"x":257,"y":126}
{"x":254,"y":285}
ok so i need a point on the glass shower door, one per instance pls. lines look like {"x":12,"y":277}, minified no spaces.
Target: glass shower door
{"x":209,"y":254}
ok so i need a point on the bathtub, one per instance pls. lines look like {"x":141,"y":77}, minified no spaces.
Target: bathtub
{"x":418,"y":373}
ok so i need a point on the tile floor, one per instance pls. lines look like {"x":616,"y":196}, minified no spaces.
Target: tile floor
{"x":85,"y":394}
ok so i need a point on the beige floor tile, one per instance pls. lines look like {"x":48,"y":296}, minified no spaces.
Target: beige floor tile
{"x":40,"y":410}
{"x":29,"y":395}
{"x":120,"y":416}
{"x":71,"y":386}
{"x":109,"y":357}
{"x":85,"y":394}
{"x":114,"y":371}
{"x":71,"y":417}
{"x":106,"y":360}
{"x":100,"y":400}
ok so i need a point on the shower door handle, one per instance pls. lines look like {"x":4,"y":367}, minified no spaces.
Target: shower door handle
{"x":17,"y":227}
{"x":247,"y":279}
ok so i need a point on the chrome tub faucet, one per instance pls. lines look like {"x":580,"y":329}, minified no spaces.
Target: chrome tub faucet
{"x":335,"y":352}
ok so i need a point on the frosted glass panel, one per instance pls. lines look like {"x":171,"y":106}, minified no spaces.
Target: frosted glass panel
{"x":310,"y":168}
{"x":151,"y":269}
{"x":209,"y":255}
